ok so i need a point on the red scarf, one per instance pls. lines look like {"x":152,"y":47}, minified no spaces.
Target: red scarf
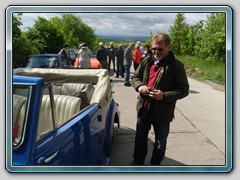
{"x":153,"y":74}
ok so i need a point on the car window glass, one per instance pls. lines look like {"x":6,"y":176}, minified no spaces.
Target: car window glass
{"x":53,"y":62}
{"x":38,"y":62}
{"x":46,"y":121}
{"x":19,"y":112}
{"x":71,"y":51}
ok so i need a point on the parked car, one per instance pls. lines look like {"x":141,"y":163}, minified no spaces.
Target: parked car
{"x":48,"y":61}
{"x":62,"y":117}
{"x":95,"y":64}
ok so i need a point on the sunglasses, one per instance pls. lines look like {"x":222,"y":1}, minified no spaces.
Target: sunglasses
{"x":159,"y":49}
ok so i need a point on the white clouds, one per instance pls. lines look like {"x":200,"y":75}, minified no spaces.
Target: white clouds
{"x":28,"y":19}
{"x":192,"y":18}
{"x":121,"y":23}
{"x":159,"y":27}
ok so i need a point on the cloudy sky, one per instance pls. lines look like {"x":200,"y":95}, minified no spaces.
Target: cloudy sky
{"x":140,"y":24}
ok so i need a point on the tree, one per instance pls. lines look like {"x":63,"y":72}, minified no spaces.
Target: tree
{"x":21,"y":46}
{"x":178,"y":34}
{"x":199,"y":50}
{"x":191,"y":41}
{"x":149,"y":41}
{"x":74,"y":30}
{"x":45,"y":37}
{"x":214,"y":35}
{"x":211,"y":38}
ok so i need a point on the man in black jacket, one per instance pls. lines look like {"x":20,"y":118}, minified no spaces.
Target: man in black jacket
{"x":102,"y":56}
{"x":119,"y":54}
{"x":160,"y":80}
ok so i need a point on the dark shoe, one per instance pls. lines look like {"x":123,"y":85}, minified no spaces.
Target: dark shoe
{"x":127,"y":84}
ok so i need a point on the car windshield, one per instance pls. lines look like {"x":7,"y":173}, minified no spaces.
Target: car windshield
{"x":43,"y":61}
{"x":21,"y":94}
{"x":72,"y":51}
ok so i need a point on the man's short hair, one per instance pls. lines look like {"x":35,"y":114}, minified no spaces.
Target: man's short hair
{"x":101,"y":44}
{"x":158,"y":37}
{"x":132,"y":44}
{"x":139,"y":42}
{"x":65,"y":45}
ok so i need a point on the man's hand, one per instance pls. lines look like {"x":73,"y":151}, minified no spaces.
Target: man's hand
{"x":144,"y":90}
{"x":156,"y":94}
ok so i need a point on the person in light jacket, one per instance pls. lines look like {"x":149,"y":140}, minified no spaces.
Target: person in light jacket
{"x":84,"y":57}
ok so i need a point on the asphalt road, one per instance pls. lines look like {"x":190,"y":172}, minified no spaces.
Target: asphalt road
{"x":197,"y":134}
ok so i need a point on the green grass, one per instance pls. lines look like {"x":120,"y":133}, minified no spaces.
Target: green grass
{"x":204,"y":70}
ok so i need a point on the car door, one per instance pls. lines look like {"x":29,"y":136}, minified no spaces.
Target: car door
{"x":63,"y":62}
{"x":78,"y":142}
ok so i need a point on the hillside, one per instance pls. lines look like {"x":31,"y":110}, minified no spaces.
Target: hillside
{"x":124,"y":38}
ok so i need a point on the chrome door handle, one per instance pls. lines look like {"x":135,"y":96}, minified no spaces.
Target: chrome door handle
{"x":42,"y":160}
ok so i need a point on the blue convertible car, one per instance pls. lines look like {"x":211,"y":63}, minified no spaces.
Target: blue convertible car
{"x":62,"y":117}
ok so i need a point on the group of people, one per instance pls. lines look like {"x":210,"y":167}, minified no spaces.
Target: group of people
{"x":122,"y":57}
{"x":84,"y":54}
{"x":106,"y":55}
{"x":159,"y":78}
{"x":133,"y":54}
